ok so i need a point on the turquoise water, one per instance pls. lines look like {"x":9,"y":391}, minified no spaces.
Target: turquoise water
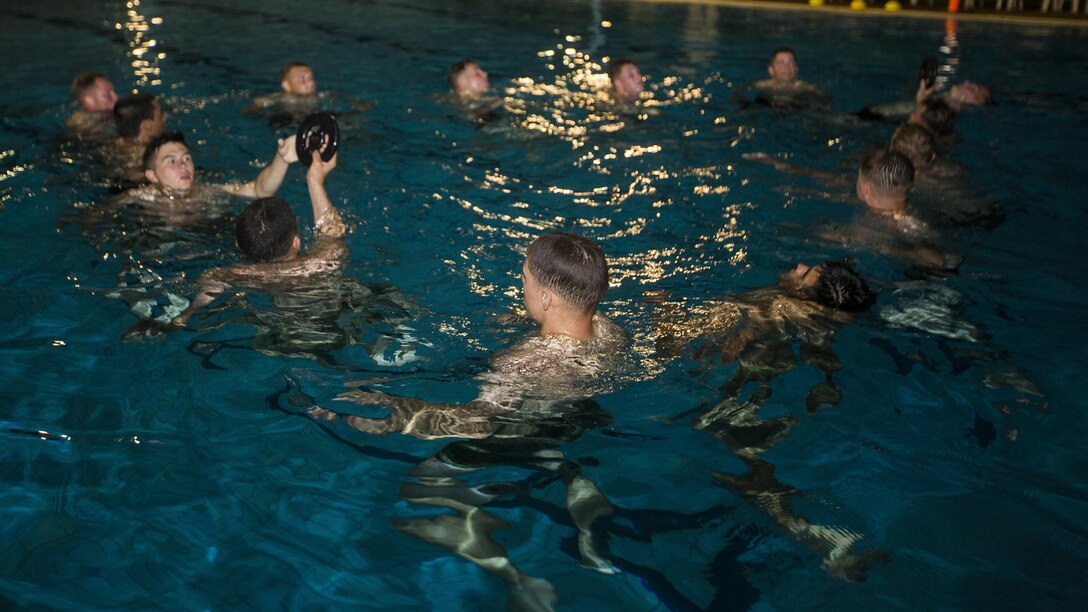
{"x":184,"y":473}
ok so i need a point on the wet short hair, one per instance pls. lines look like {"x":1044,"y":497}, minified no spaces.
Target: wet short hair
{"x":778,"y":50}
{"x":132,"y":110}
{"x":266,"y":229}
{"x":616,"y":66}
{"x":916,"y":143}
{"x":152,"y":148}
{"x":888,"y":171}
{"x":84,"y":82}
{"x":841,"y":288}
{"x":570,"y":265}
{"x":289,"y":66}
{"x":456,"y":70}
{"x":939,"y":116}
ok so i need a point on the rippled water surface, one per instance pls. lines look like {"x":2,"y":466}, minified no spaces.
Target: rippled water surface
{"x":183,"y":472}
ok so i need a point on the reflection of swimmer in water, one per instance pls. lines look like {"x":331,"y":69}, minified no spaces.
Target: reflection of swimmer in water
{"x":936,"y":309}
{"x":94,"y":118}
{"x":314,"y":316}
{"x":758,"y":329}
{"x":784,"y":90}
{"x":531,"y":401}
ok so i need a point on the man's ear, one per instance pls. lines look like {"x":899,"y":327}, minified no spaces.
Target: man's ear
{"x":546,"y":299}
{"x":770,"y":71}
{"x":151,"y":176}
{"x":284,"y":85}
{"x":866,"y":189}
{"x":296,"y":244}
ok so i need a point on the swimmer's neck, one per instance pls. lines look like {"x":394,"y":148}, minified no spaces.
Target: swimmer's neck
{"x":578,"y":327}
{"x":290,"y":95}
{"x":170,"y":193}
{"x":893,"y":205}
{"x":471,"y":95}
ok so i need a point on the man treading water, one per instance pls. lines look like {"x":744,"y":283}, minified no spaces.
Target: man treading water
{"x":784,"y":90}
{"x":94,"y":118}
{"x":533,"y":399}
{"x":173,"y":187}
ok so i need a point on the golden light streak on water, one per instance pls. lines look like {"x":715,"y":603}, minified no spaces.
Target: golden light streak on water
{"x":147,"y":71}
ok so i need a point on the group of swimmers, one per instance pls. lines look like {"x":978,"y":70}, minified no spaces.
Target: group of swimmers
{"x":564,"y":277}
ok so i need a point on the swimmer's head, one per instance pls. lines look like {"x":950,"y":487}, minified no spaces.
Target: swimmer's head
{"x":886,"y":173}
{"x":970,"y":94}
{"x":139,"y":116}
{"x":94,"y":92}
{"x":267,"y":231}
{"x":467,"y":79}
{"x":167,"y":162}
{"x":627,"y":81}
{"x":297,"y":78}
{"x":832,"y":284}
{"x":572,"y":267}
{"x":783,"y":66}
{"x":935,"y":115}
{"x":916,"y":143}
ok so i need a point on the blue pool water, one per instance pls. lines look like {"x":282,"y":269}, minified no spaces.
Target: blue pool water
{"x":183,"y":473}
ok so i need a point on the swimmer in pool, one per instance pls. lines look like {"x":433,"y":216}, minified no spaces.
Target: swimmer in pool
{"x":299,"y":97}
{"x":967,"y":94}
{"x":298,"y":89}
{"x":940,"y":192}
{"x":758,"y":330}
{"x":627,"y":80}
{"x":783,"y":89}
{"x":563,"y":279}
{"x":468,"y":80}
{"x":957,"y":98}
{"x":139,"y":119}
{"x":543,"y":380}
{"x":935,"y":115}
{"x":267,"y":230}
{"x":316,"y":309}
{"x":96,"y":97}
{"x":472,"y":91}
{"x":170,"y":173}
{"x":884,"y":181}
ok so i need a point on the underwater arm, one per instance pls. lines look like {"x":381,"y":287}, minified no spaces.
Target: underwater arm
{"x":782,"y":166}
{"x":210,"y":287}
{"x":415,"y":417}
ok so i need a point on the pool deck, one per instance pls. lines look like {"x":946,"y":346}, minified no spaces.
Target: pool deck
{"x":876,"y":9}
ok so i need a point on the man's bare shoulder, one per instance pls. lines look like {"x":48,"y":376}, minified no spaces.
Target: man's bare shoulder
{"x":91,"y":124}
{"x":324,"y":258}
{"x":556,"y":354}
{"x":156,"y":196}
